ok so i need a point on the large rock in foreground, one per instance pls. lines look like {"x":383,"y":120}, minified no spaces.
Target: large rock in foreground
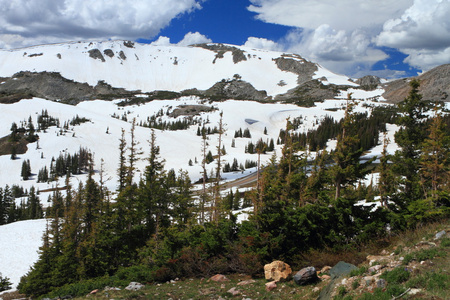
{"x":305,"y":276}
{"x":277,"y":271}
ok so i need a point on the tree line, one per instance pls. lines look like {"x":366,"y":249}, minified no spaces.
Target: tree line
{"x":157,"y":229}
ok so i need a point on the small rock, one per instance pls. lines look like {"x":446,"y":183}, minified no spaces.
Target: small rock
{"x":108,"y":288}
{"x":381,"y":283}
{"x":325,"y":269}
{"x":374,"y":268}
{"x":219,"y":278}
{"x":439,"y":235}
{"x":271,"y":286}
{"x":325,"y":277}
{"x":277,"y":271}
{"x":222,"y":286}
{"x":305,"y":276}
{"x":316,"y":289}
{"x":414,"y":291}
{"x":245,"y":282}
{"x":233,"y":291}
{"x":94,"y":292}
{"x":344,"y":281}
{"x":384,"y":252}
{"x":134,"y":286}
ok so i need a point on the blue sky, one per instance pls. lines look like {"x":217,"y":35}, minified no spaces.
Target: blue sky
{"x":387,"y":38}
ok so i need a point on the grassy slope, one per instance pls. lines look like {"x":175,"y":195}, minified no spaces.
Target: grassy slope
{"x":432,"y":276}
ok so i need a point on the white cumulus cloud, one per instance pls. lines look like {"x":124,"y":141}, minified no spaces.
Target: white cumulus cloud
{"x":422,"y":32}
{"x":337,"y":34}
{"x":194,"y":38}
{"x":189,"y":39}
{"x":340,"y":15}
{"x":262,"y":43}
{"x":26,"y":22}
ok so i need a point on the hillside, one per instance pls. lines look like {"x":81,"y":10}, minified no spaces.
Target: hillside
{"x":70,"y":112}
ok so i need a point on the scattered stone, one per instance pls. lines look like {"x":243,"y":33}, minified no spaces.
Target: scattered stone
{"x":384,"y":252}
{"x":222,"y":286}
{"x":134,"y":286}
{"x":325,"y":269}
{"x":381,"y":283}
{"x":316,"y":289}
{"x":271,"y":286}
{"x":94,"y":292}
{"x":305,"y":276}
{"x":245,"y":282}
{"x":108,"y":288}
{"x":414,"y":291}
{"x":439,"y":235}
{"x":219,"y":278}
{"x":277,"y":271}
{"x":325,"y":277}
{"x":377,"y":258}
{"x":374,"y":268}
{"x":234,"y":292}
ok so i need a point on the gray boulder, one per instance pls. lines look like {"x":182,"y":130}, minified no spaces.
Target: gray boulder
{"x":341,"y":269}
{"x":305,"y":276}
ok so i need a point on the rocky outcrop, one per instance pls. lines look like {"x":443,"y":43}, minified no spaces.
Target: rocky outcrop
{"x":109,"y":53}
{"x":235,"y":89}
{"x":96,"y":54}
{"x":296,"y":64}
{"x":434,"y":86}
{"x":310,"y":92}
{"x":53,"y":86}
{"x":221,"y":49}
{"x":369,"y":82}
{"x":339,"y":271}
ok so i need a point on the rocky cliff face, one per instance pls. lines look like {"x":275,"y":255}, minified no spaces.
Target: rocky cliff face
{"x":434,"y":86}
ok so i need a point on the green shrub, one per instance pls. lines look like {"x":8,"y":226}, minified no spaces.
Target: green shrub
{"x":358,"y":272}
{"x":398,"y":275}
{"x":445,"y":242}
{"x":430,"y":281}
{"x":5,"y":284}
{"x":423,"y":254}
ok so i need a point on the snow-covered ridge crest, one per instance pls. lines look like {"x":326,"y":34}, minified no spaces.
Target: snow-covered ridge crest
{"x":144,"y":67}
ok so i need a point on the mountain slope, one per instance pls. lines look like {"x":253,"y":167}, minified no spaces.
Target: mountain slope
{"x":146,"y":68}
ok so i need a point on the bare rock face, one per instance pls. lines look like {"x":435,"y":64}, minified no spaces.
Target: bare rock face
{"x":277,"y":271}
{"x":96,"y":54}
{"x":108,"y":52}
{"x":235,"y":89}
{"x":434,"y":86}
{"x":221,"y":49}
{"x":52,"y":86}
{"x":296,"y":64}
{"x":369,"y":82}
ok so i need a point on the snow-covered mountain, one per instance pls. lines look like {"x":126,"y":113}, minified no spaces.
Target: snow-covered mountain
{"x":146,"y":68}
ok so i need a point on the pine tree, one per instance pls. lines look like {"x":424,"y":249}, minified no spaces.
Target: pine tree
{"x":435,"y":158}
{"x":122,"y":170}
{"x":409,"y":138}
{"x":347,"y":168}
{"x":386,"y":180}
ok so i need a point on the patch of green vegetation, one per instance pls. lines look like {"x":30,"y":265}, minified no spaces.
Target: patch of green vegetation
{"x":358,"y":272}
{"x":398,"y":275}
{"x":423,"y":254}
{"x":431,"y":281}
